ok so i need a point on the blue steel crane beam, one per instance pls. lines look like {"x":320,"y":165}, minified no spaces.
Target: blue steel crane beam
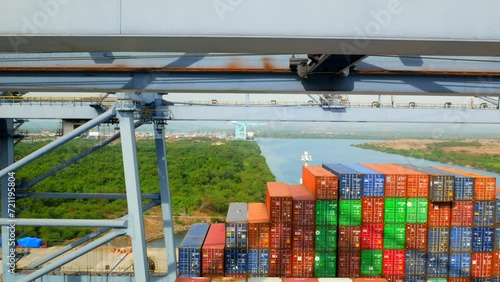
{"x":259,"y":26}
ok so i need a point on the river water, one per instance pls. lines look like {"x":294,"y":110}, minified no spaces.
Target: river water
{"x":283,"y":158}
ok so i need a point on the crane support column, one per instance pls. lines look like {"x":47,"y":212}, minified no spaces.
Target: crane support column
{"x":136,"y":219}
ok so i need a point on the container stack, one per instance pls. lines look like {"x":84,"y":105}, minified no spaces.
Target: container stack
{"x":190,"y":250}
{"x":212,"y":262}
{"x":496,"y":252}
{"x":258,"y":240}
{"x":279,"y":207}
{"x":236,"y":253}
{"x":324,"y":186}
{"x":303,"y":229}
{"x":350,"y":213}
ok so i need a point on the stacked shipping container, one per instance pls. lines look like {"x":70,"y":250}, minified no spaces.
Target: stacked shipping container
{"x":258,"y":239}
{"x":190,"y":250}
{"x":324,"y":186}
{"x":236,"y":253}
{"x":212,"y":262}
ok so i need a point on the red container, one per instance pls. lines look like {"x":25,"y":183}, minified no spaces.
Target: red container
{"x":303,"y":264}
{"x":322,"y":183}
{"x":458,"y":279}
{"x":372,"y":236}
{"x":439,"y":214}
{"x":482,"y":265}
{"x":280,"y":236}
{"x":496,"y":263}
{"x":192,"y":279}
{"x":416,"y":236}
{"x":303,"y":237}
{"x":212,"y":261}
{"x":417,"y":183}
{"x":279,"y":202}
{"x":349,"y":238}
{"x":370,"y":279}
{"x":395,"y":183}
{"x":373,"y":210}
{"x":258,"y":226}
{"x":300,"y":280}
{"x":393,"y":263}
{"x":304,"y":205}
{"x":462,"y":213}
{"x":395,"y":278}
{"x":484,"y":186}
{"x":280,"y":262}
{"x":349,"y":264}
{"x":231,"y":278}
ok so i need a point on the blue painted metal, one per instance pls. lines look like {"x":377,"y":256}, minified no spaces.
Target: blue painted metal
{"x":481,"y":280}
{"x":190,"y":250}
{"x":460,"y":264}
{"x":258,"y":262}
{"x":438,"y":239}
{"x":484,"y":213}
{"x":415,"y":262}
{"x":235,"y":261}
{"x":461,"y":239}
{"x":496,"y":244}
{"x":350,"y":181}
{"x":415,"y":278}
{"x":437,"y":265}
{"x":497,"y":211}
{"x":373,"y":181}
{"x":482,"y":239}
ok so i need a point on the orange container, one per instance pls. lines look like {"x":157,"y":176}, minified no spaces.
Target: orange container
{"x":395,"y":182}
{"x":304,"y":205}
{"x":417,"y":183}
{"x":484,"y":186}
{"x":279,"y":202}
{"x":496,"y":263}
{"x":258,"y":226}
{"x":439,"y":214}
{"x":322,"y":183}
{"x":212,"y":260}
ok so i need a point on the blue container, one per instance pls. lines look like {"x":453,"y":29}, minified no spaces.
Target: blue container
{"x":480,"y":280}
{"x":461,"y":239}
{"x":235,"y":261}
{"x":482,"y":239}
{"x":496,"y":244}
{"x":438,"y":240}
{"x":416,"y":278}
{"x":484,"y":213}
{"x":190,"y":250}
{"x":496,"y":279}
{"x":497,"y":212}
{"x":258,"y":262}
{"x":350,"y":181}
{"x":437,"y":265}
{"x":373,"y":181}
{"x":415,"y":262}
{"x":236,"y":226}
{"x":460,"y":265}
{"x":464,"y":188}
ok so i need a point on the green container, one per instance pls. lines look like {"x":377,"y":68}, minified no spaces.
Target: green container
{"x":350,"y":213}
{"x":437,"y":279}
{"x":326,"y":212}
{"x":395,"y":210}
{"x":371,"y":262}
{"x":394,"y":236}
{"x":325,"y":264}
{"x":416,"y":210}
{"x":325,"y":238}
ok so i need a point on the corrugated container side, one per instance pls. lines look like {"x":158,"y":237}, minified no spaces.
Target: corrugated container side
{"x":484,"y":213}
{"x":235,"y":261}
{"x":264,"y":279}
{"x":258,"y":262}
{"x":374,"y":278}
{"x":373,"y":182}
{"x":417,"y":180}
{"x":325,"y":264}
{"x":373,"y":210}
{"x":230,"y":278}
{"x":415,"y":261}
{"x":439,"y":214}
{"x":258,"y":226}
{"x":349,"y":264}
{"x":441,"y":188}
{"x":280,"y":236}
{"x":496,"y":263}
{"x":279,"y":202}
{"x":322,"y":183}
{"x":496,"y":244}
{"x":395,"y":210}
{"x":437,"y":265}
{"x":394,"y":236}
{"x":192,"y":279}
{"x":437,"y":279}
{"x":417,"y":278}
{"x":481,"y":279}
{"x":496,"y":279}
{"x":372,"y":236}
{"x":460,"y":265}
{"x":484,"y":186}
{"x":438,"y":240}
{"x":212,"y":261}
{"x":349,"y":238}
{"x":350,"y":181}
{"x":293,"y":279}
{"x":416,"y":210}
{"x":452,"y":279}
{"x":350,"y":212}
{"x":325,"y":238}
{"x":395,"y":278}
{"x":395,"y":184}
{"x":497,"y":211}
{"x":304,"y":206}
{"x":462,"y":213}
{"x":303,"y":237}
{"x":482,"y":265}
{"x":326,"y":212}
{"x":464,"y":188}
{"x":482,"y":239}
{"x":236,"y":235}
{"x":302,"y":264}
{"x":394,"y":262}
{"x":190,"y":250}
{"x":416,"y":236}
{"x":371,"y":262}
{"x":461,"y":239}
{"x":280,"y":262}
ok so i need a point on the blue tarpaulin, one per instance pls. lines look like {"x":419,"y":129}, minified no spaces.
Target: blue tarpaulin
{"x":30,"y":242}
